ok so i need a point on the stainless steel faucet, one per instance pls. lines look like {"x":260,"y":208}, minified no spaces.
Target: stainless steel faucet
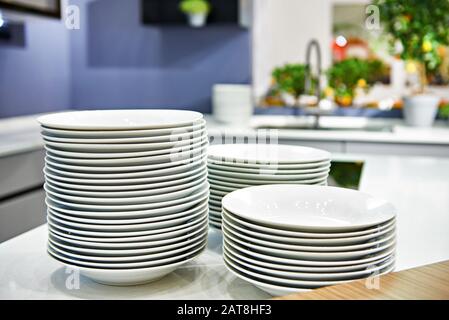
{"x":308,"y":81}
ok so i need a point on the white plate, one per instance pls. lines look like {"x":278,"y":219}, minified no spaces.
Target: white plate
{"x":308,"y":208}
{"x":129,"y":227}
{"x":156,"y":176}
{"x":155,"y":255}
{"x":306,"y":284}
{"x":215,"y":197}
{"x":183,"y":184}
{"x":164,"y":138}
{"x":315,"y":235}
{"x":122,"y":183}
{"x":108,"y":169}
{"x":271,"y":167}
{"x":272,"y":171}
{"x":297,"y":268}
{"x":129,"y":207}
{"x":122,"y":133}
{"x":267,"y":177}
{"x":124,"y":155}
{"x":71,"y":230}
{"x":215,"y":225}
{"x":379,"y":241}
{"x":307,"y":263}
{"x":126,"y":277}
{"x":134,"y":248}
{"x":125,"y":147}
{"x":266,"y":154}
{"x":311,"y":276}
{"x":133,"y":213}
{"x":127,"y":222}
{"x":120,"y":119}
{"x":67,"y":230}
{"x":308,"y":255}
{"x":221,"y":188}
{"x":214,"y":203}
{"x":238,"y":181}
{"x":218,"y":193}
{"x":162,"y":158}
{"x":306,"y":241}
{"x":170,"y":196}
{"x":133,"y":253}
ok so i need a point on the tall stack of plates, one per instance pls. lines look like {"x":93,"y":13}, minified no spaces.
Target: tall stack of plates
{"x":126,"y":190}
{"x":235,"y":166}
{"x":290,"y":238}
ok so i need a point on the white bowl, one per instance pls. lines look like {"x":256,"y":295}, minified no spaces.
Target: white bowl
{"x":309,"y":255}
{"x":123,"y":181}
{"x":67,"y":133}
{"x":157,"y":198}
{"x":298,"y":268}
{"x":309,"y":241}
{"x":124,"y":155}
{"x":266,"y":153}
{"x":308,"y":208}
{"x":120,"y":119}
{"x":309,"y":234}
{"x":129,"y":214}
{"x":126,"y":277}
{"x":178,"y":136}
{"x":60,"y":203}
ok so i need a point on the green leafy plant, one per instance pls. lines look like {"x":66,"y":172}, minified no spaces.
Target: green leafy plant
{"x":344,"y":76}
{"x":290,"y":78}
{"x":444,"y":111}
{"x":421,"y":27}
{"x":194,"y":6}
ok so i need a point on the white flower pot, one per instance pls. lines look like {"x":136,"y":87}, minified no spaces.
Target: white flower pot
{"x":197,"y":20}
{"x":420,"y":110}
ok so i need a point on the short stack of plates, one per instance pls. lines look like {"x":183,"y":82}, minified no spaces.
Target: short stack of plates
{"x":235,"y":166}
{"x":127,"y":191}
{"x":292,"y":238}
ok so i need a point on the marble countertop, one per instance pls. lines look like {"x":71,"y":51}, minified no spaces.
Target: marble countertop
{"x":417,"y":186}
{"x":21,"y":134}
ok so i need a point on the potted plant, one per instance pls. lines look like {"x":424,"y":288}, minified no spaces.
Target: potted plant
{"x":290,"y":82}
{"x":346,"y":75}
{"x":420,"y":29}
{"x":196,"y":11}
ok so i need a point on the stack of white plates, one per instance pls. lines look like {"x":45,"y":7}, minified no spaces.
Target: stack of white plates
{"x":127,"y":191}
{"x":235,"y":166}
{"x":291,"y":238}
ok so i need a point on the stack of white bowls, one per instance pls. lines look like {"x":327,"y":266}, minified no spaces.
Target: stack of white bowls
{"x":232,"y":103}
{"x":291,"y":238}
{"x":127,"y":191}
{"x":235,"y":166}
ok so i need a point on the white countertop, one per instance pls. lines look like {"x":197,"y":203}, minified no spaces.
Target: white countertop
{"x":417,"y":186}
{"x":21,"y":134}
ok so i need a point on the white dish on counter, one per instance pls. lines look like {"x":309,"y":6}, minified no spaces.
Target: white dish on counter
{"x":124,"y":181}
{"x":68,"y":133}
{"x":126,"y":277}
{"x":314,"y":235}
{"x":124,"y":155}
{"x":162,"y":138}
{"x":157,"y":198}
{"x":272,"y":171}
{"x":308,"y":208}
{"x":266,"y":153}
{"x":268,"y":177}
{"x":162,"y":158}
{"x":131,"y":247}
{"x":120,"y":119}
{"x":130,"y":213}
{"x":310,"y":241}
{"x":111,"y":169}
{"x":312,"y":255}
{"x":183,"y":183}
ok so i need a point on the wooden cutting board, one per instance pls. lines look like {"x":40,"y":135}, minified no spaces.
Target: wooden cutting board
{"x":430,"y":282}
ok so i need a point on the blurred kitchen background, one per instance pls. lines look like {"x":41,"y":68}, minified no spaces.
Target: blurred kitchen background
{"x":82,"y":54}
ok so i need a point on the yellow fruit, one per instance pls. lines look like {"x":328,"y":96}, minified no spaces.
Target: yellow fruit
{"x":328,"y":92}
{"x":361,"y":83}
{"x":426,"y":46}
{"x":411,"y":67}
